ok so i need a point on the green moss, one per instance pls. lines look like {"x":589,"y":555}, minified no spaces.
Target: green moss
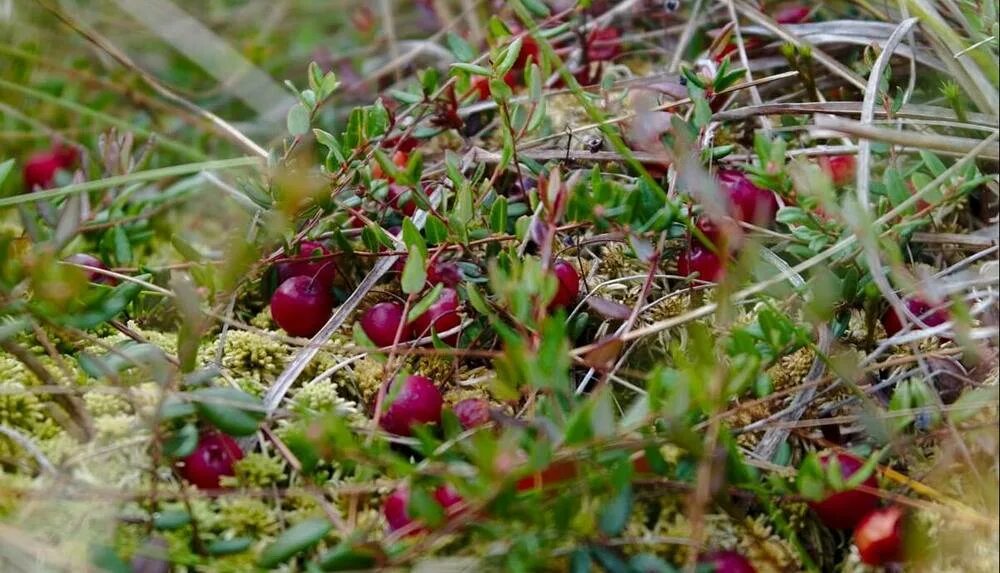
{"x":248,"y":516}
{"x":115,"y":427}
{"x":101,"y":403}
{"x":258,"y":470}
{"x":320,"y":397}
{"x":25,"y":411}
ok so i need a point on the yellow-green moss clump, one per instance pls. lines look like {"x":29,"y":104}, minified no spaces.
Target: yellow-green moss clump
{"x":247,"y":516}
{"x":257,"y":470}
{"x":665,"y":518}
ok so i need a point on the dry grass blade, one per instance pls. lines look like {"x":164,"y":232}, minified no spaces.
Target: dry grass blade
{"x":943,"y":143}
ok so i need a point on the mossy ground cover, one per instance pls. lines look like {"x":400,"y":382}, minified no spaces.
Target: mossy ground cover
{"x":451,"y":285}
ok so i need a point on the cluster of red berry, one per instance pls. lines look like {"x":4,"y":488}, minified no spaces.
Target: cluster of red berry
{"x":747,"y":203}
{"x":878,"y":531}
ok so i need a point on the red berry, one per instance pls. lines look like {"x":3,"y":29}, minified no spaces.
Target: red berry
{"x":603,"y":44}
{"x":381,"y":322}
{"x":448,"y":274}
{"x":397,"y":516}
{"x":417,"y":402}
{"x":482,"y":84}
{"x":844,"y":509}
{"x":555,"y":474}
{"x":448,"y":498}
{"x":528,"y":53}
{"x":569,"y":285}
{"x":749,"y":45}
{"x":404,"y":143}
{"x":472,"y":412}
{"x":395,"y":512}
{"x":791,"y":14}
{"x":442,"y":315}
{"x":92,"y":261}
{"x":212,"y":458}
{"x":727,"y":562}
{"x":314,"y":261}
{"x":698,"y":259}
{"x":301,"y":306}
{"x":722,"y":241}
{"x":40,"y":169}
{"x":749,"y":203}
{"x":893,"y":322}
{"x":879,"y":536}
{"x":399,"y":202}
{"x":840,"y":168}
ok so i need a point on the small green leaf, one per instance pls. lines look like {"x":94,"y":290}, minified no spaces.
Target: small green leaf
{"x":498,"y":215}
{"x":5,"y":169}
{"x":414,"y":273}
{"x":328,"y":85}
{"x":186,"y":249}
{"x":509,"y":57}
{"x":174,"y":408}
{"x":463,"y":207}
{"x":435,"y":230}
{"x":412,"y":237}
{"x":864,"y":472}
{"x":123,"y":247}
{"x":108,"y":306}
{"x":229,"y":546}
{"x":702,"y":112}
{"x":105,"y":559}
{"x":933,"y":163}
{"x":462,"y":50}
{"x":233,"y":411}
{"x":649,"y":563}
{"x":424,"y":507}
{"x":182,"y":442}
{"x":614,"y":516}
{"x":537,"y":8}
{"x":298,"y":120}
{"x":425,"y":303}
{"x":579,"y":561}
{"x":809,"y":479}
{"x":345,"y":557}
{"x":477,"y":301}
{"x":609,"y":560}
{"x":792,"y":216}
{"x":171,"y":519}
{"x":293,"y":541}
{"x":895,"y":187}
{"x":472,"y":69}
